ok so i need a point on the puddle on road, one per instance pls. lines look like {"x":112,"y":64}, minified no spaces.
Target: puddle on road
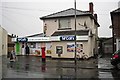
{"x":105,"y":75}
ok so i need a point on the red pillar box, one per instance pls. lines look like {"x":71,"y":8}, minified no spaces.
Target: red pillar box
{"x":43,"y":54}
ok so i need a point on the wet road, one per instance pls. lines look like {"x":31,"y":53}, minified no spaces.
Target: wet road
{"x":32,"y":67}
{"x":106,"y":70}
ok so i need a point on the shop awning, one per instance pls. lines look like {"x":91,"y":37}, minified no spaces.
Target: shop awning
{"x":78,"y":32}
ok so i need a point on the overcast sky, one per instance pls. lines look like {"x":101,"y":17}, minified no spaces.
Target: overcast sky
{"x":21,"y":17}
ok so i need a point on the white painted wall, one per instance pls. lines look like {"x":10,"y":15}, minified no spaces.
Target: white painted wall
{"x":3,"y":41}
{"x":3,"y":46}
{"x":66,"y":54}
{"x":0,"y":53}
{"x":53,"y":24}
{"x":0,"y":41}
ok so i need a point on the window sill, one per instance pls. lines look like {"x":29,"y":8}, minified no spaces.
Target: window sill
{"x":64,"y":28}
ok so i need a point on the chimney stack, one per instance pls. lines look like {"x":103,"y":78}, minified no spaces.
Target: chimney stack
{"x":91,"y":7}
{"x":95,"y":16}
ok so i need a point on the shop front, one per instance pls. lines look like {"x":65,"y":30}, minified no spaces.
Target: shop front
{"x":56,"y":46}
{"x":34,"y":43}
{"x":64,"y":46}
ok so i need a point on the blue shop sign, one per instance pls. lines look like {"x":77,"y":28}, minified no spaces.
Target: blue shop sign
{"x":67,"y":38}
{"x":22,"y":39}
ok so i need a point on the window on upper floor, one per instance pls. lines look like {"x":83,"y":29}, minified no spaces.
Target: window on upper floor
{"x":64,"y":23}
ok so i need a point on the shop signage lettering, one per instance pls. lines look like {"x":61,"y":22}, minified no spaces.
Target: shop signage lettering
{"x":22,"y":39}
{"x":67,"y":38}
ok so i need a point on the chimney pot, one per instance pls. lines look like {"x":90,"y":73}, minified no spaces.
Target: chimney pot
{"x":91,"y":7}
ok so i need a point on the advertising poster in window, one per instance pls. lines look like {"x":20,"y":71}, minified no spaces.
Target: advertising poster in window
{"x":48,"y":48}
{"x":71,"y":47}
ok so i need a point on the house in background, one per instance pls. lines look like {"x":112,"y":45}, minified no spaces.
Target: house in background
{"x":105,"y":46}
{"x":108,"y":48}
{"x":3,"y":49}
{"x":60,"y":27}
{"x":3,"y":41}
{"x":10,"y":44}
{"x":115,"y":18}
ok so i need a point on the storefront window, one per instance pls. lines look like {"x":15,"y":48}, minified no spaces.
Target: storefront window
{"x":70,"y":47}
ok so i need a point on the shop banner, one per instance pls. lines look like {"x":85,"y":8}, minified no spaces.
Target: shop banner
{"x":67,"y":38}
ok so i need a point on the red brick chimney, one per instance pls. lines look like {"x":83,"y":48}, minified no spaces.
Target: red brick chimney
{"x":91,"y":7}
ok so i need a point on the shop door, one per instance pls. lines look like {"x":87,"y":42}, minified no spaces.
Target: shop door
{"x":17,"y":48}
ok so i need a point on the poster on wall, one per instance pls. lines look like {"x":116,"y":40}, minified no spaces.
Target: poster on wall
{"x":71,"y":47}
{"x":48,"y":48}
{"x":79,"y":48}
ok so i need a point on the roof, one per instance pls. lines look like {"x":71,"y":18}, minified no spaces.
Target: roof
{"x":66,"y":13}
{"x":116,"y":11}
{"x":36,"y":35}
{"x":78,"y":32}
{"x":113,"y":13}
{"x":9,"y":35}
{"x":69,"y":13}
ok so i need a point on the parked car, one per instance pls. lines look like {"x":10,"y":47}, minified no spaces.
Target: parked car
{"x":115,"y":59}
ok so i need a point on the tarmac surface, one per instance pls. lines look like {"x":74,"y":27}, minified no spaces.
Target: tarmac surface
{"x":33,"y":67}
{"x":106,"y":70}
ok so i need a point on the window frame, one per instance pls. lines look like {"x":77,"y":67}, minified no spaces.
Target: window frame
{"x":68,"y":20}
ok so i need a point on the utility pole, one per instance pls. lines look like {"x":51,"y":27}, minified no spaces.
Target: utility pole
{"x":75,"y":32}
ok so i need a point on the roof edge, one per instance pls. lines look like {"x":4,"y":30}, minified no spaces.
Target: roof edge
{"x":45,"y":17}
